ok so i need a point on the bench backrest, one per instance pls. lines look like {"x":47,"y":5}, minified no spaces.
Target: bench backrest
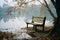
{"x":39,"y":20}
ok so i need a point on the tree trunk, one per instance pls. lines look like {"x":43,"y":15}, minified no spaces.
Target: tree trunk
{"x":57,"y":22}
{"x":58,"y":18}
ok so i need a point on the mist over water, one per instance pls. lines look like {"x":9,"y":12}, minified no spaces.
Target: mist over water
{"x":14,"y":21}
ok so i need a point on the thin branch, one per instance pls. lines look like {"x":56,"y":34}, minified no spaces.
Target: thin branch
{"x":49,"y":10}
{"x":41,"y":2}
{"x":54,"y":3}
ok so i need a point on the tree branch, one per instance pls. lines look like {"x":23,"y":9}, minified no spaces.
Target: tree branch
{"x":49,"y":10}
{"x":41,"y":2}
{"x":54,"y":3}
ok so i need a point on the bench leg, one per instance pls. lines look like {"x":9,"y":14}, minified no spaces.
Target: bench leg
{"x":43,"y":28}
{"x":27,"y":27}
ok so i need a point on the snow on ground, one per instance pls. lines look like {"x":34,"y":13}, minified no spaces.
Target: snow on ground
{"x":18,"y":23}
{"x":12,"y":24}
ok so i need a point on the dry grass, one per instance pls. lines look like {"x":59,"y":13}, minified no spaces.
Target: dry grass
{"x":6,"y":36}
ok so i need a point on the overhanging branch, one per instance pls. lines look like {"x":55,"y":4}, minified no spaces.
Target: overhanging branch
{"x":49,"y":10}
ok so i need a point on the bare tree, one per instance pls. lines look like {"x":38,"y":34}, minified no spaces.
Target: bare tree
{"x":22,"y":4}
{"x":47,"y":6}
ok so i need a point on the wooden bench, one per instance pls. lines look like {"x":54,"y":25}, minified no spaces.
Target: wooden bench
{"x":37,"y":21}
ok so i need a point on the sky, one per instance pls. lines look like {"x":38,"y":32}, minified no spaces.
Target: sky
{"x":10,"y":2}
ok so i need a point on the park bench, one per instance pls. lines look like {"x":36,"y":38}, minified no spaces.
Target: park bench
{"x":37,"y":22}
